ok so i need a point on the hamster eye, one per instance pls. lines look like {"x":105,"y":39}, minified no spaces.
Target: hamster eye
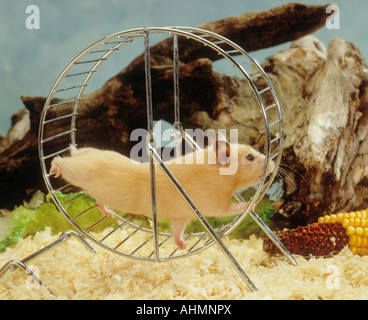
{"x":250,"y":157}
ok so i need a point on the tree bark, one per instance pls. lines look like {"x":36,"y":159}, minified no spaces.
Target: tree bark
{"x":325,"y":105}
{"x":251,"y":30}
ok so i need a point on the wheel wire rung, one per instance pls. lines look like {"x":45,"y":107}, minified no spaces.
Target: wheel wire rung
{"x":275,"y":139}
{"x":75,"y":198}
{"x":274,"y":156}
{"x":177,"y":248}
{"x":104,"y":50}
{"x":161,"y":243}
{"x":79,"y":73}
{"x":58,"y":135}
{"x":255,"y":76}
{"x":89,"y":61}
{"x":64,"y":102}
{"x":142,"y":245}
{"x":128,"y":237}
{"x":229,"y":52}
{"x":264,"y":90}
{"x":210,"y":240}
{"x":272,"y":124}
{"x":56,"y":153}
{"x":60,"y":118}
{"x":70,"y":88}
{"x":63,"y":187}
{"x":198,"y":241}
{"x":270,"y":106}
{"x":112,"y":231}
{"x":95,"y":224}
{"x":83,"y":212}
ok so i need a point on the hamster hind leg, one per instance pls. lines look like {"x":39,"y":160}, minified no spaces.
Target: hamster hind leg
{"x":178,"y":227}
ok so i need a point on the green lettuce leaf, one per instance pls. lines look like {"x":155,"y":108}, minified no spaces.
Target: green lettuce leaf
{"x":34,"y":216}
{"x":15,"y":228}
{"x":41,"y":212}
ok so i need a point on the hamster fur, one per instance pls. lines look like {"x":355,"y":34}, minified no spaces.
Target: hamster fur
{"x":117,"y":181}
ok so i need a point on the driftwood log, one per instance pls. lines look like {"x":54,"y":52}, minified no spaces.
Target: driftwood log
{"x":322,"y":94}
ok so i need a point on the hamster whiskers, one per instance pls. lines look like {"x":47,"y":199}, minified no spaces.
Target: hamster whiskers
{"x":282,"y":173}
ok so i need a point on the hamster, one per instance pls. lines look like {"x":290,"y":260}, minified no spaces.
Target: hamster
{"x":118,"y":182}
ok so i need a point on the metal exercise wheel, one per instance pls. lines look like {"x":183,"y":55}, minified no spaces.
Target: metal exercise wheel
{"x":83,"y":67}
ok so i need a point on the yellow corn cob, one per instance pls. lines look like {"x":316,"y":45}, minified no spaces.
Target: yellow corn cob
{"x":316,"y":239}
{"x":327,"y":236}
{"x":356,"y":225}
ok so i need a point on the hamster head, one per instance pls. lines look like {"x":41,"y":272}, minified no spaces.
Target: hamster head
{"x":251,"y":163}
{"x":242,"y":161}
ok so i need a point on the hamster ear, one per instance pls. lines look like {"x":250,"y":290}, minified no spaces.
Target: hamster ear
{"x":222,"y":150}
{"x":220,"y":136}
{"x":211,"y":136}
{"x":220,"y":146}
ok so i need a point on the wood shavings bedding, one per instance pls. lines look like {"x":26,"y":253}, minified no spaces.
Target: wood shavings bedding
{"x":71,"y":272}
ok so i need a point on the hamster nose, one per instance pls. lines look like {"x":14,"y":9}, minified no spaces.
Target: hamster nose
{"x":270,"y":167}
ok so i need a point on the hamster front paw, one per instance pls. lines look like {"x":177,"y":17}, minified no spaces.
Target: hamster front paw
{"x":236,"y":208}
{"x":106,"y":211}
{"x":55,"y":168}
